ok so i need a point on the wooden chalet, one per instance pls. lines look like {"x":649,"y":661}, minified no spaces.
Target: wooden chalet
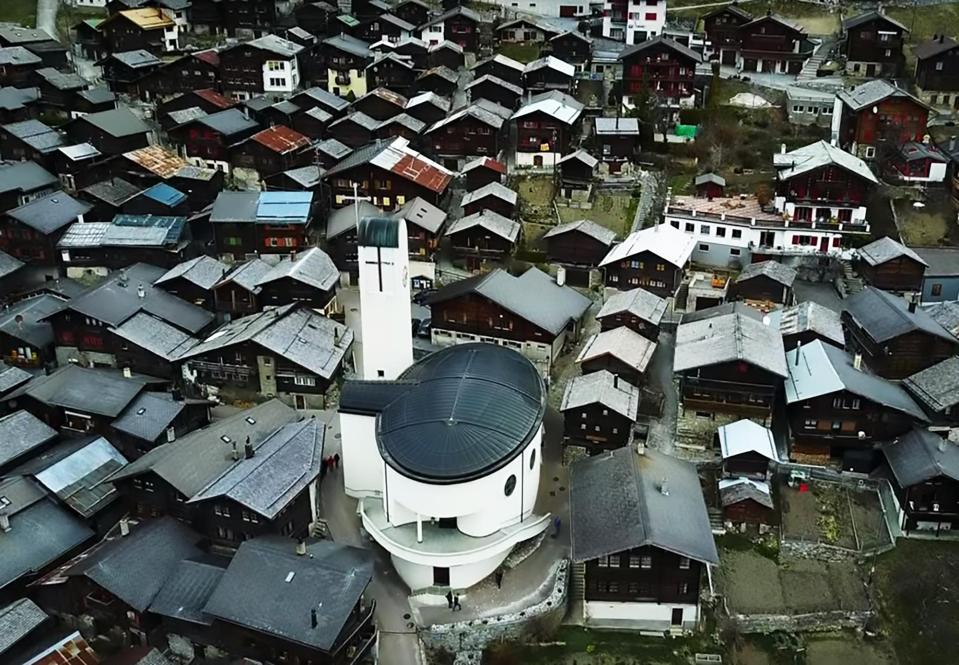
{"x":482,"y":171}
{"x":251,"y":223}
{"x":748,"y":450}
{"x":545,"y":127}
{"x":721,"y":26}
{"x":208,"y":139}
{"x":936,"y":389}
{"x":445,"y":54}
{"x":193,"y":280}
{"x":639,"y":310}
{"x":640,"y":561}
{"x":936,"y":74}
{"x":599,"y":410}
{"x":496,"y":90}
{"x":620,"y":351}
{"x":923,"y":469}
{"x":891,"y":266}
{"x":494,"y":196}
{"x":572,"y":47}
{"x":124,"y":71}
{"x":18,"y":65}
{"x":391,"y":71}
{"x":617,"y":141}
{"x":147,"y":28}
{"x":765,"y":285}
{"x":664,"y":68}
{"x":484,"y":236}
{"x":836,"y":408}
{"x":273,"y":150}
{"x":500,"y":66}
{"x":728,"y":364}
{"x":874,"y":45}
{"x":267,"y":65}
{"x":112,"y":132}
{"x":895,"y":337}
{"x":773,"y":44}
{"x":654,"y":258}
{"x":440,"y":80}
{"x":710,"y":186}
{"x":476,"y":130}
{"x":879,"y":115}
{"x":460,"y":25}
{"x":30,"y":232}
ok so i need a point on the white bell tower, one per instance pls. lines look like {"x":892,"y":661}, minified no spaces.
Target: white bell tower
{"x":385,"y":313}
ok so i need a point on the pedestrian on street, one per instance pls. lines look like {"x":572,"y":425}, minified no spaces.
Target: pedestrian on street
{"x":499,"y":579}
{"x":336,"y":461}
{"x":449,"y":599}
{"x":329,"y":462}
{"x":557,"y":523}
{"x":456,"y":604}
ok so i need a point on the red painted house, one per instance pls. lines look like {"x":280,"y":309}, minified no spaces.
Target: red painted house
{"x":879,"y":114}
{"x":544,"y":128}
{"x":664,"y":67}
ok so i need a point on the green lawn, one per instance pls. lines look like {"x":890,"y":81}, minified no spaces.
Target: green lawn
{"x":68,"y":17}
{"x":926,"y":20}
{"x":918,"y":588}
{"x":23,"y":12}
{"x":576,"y":645}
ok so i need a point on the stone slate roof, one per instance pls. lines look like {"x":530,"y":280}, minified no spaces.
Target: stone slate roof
{"x":99,"y":391}
{"x":269,"y":589}
{"x":77,"y":478}
{"x":17,"y":620}
{"x":156,"y":336}
{"x":874,"y":91}
{"x":774,"y":270}
{"x":866,"y":17}
{"x":621,"y":343}
{"x":187,"y":589}
{"x":31,"y":327}
{"x":203,"y":271}
{"x":193,"y":461}
{"x":618,"y":502}
{"x":50,"y":213}
{"x":728,"y":338}
{"x":737,"y":490}
{"x":246,"y":275}
{"x":638,"y":302}
{"x":314,"y":267}
{"x":886,"y":249}
{"x":584,"y":226}
{"x":662,"y":240}
{"x":297,"y":334}
{"x":41,"y":531}
{"x":746,"y":436}
{"x":885,"y":316}
{"x":809,"y":316}
{"x":921,"y":455}
{"x":423,"y":214}
{"x":12,"y":376}
{"x":489,"y":220}
{"x":149,"y":415}
{"x":283,"y":466}
{"x":933,"y":47}
{"x":20,"y":433}
{"x":937,"y":387}
{"x":604,"y":388}
{"x":25,"y":177}
{"x":533,"y":296}
{"x":134,"y":568}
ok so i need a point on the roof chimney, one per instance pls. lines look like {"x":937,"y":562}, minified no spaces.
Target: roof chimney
{"x":4,"y":521}
{"x":664,"y":487}
{"x":127,"y":373}
{"x":941,"y":445}
{"x":857,"y":361}
{"x":615,"y":380}
{"x":798,"y":349}
{"x":235,"y":454}
{"x":782,"y":148}
{"x":913,"y":301}
{"x":248,"y":449}
{"x":124,"y":527}
{"x":140,"y":291}
{"x":300,"y":547}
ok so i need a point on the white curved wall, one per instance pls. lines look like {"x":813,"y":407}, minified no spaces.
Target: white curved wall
{"x":362,"y":464}
{"x":417,"y":576}
{"x":480,"y":506}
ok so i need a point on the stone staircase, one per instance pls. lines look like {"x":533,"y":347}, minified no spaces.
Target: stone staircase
{"x":716,"y":521}
{"x":811,"y":66}
{"x":850,"y":283}
{"x":577,"y":582}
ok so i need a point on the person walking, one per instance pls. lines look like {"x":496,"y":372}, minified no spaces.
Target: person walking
{"x":499,"y":578}
{"x":456,"y":604}
{"x":336,"y":461}
{"x":449,"y":599}
{"x":557,"y":523}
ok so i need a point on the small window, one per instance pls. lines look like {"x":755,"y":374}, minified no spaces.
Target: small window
{"x":603,"y":562}
{"x":703,"y":247}
{"x":690,"y":227}
{"x":646,"y":562}
{"x":684,"y":563}
{"x":737,"y":233}
{"x":704,"y":229}
{"x":510,"y":485}
{"x":938,"y":66}
{"x":720,"y":231}
{"x":937,"y":289}
{"x":734,"y":252}
{"x":634,"y":561}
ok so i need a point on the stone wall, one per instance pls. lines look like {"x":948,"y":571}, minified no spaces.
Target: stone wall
{"x":801,"y":623}
{"x":466,"y":638}
{"x":801,"y":549}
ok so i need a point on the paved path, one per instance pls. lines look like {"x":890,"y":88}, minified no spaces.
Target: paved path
{"x":662,"y":430}
{"x":47,"y":16}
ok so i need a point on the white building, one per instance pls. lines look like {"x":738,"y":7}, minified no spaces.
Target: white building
{"x":727,"y":231}
{"x":384,"y":266}
{"x":281,"y":72}
{"x":446,"y":462}
{"x":634,"y":20}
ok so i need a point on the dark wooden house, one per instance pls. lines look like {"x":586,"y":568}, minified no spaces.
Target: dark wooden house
{"x":721,"y":26}
{"x":494,"y":196}
{"x":31,"y":231}
{"x":460,"y":25}
{"x":773,"y":44}
{"x":484,"y":236}
{"x":495,"y":90}
{"x":482,"y":171}
{"x":210,"y":138}
{"x":620,"y":351}
{"x":728,"y":363}
{"x":936,"y":76}
{"x":273,"y":150}
{"x":874,"y":45}
{"x":617,"y":141}
{"x":639,"y":310}
{"x":112,"y":132}
{"x":766,"y":285}
{"x":748,"y":450}
{"x":836,"y":408}
{"x":251,"y":223}
{"x":478,"y":129}
{"x":599,"y":410}
{"x":879,"y":115}
{"x":639,"y":561}
{"x":891,"y":266}
{"x":654,"y":258}
{"x":924,"y":473}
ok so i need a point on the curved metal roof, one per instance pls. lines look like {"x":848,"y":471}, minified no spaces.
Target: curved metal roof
{"x":473,"y":410}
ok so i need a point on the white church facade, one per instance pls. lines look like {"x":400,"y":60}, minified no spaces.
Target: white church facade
{"x":443,"y":455}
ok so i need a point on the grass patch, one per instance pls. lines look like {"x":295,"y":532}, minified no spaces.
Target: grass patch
{"x":573,"y":644}
{"x":23,"y":12}
{"x":614,"y":210}
{"x":520,"y":51}
{"x":918,"y":587}
{"x":924,"y":21}
{"x":929,"y":226}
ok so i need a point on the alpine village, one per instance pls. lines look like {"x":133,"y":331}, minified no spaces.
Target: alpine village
{"x":460,"y":332}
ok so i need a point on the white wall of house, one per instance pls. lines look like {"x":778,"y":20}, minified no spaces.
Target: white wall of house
{"x":645,"y":616}
{"x":281,"y":76}
{"x":546,"y":7}
{"x":433,"y":34}
{"x":362,"y":464}
{"x":645,"y":19}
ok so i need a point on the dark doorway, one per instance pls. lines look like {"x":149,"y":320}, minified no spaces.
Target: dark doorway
{"x":441,"y":577}
{"x":677,"y":618}
{"x":447,"y":522}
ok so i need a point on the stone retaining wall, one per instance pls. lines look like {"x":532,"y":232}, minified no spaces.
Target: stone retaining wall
{"x":801,"y":623}
{"x":469,"y":637}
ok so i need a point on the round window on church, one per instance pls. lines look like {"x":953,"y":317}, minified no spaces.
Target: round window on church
{"x":510,"y":485}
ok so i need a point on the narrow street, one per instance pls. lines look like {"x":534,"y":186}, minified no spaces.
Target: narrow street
{"x":47,"y":16}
